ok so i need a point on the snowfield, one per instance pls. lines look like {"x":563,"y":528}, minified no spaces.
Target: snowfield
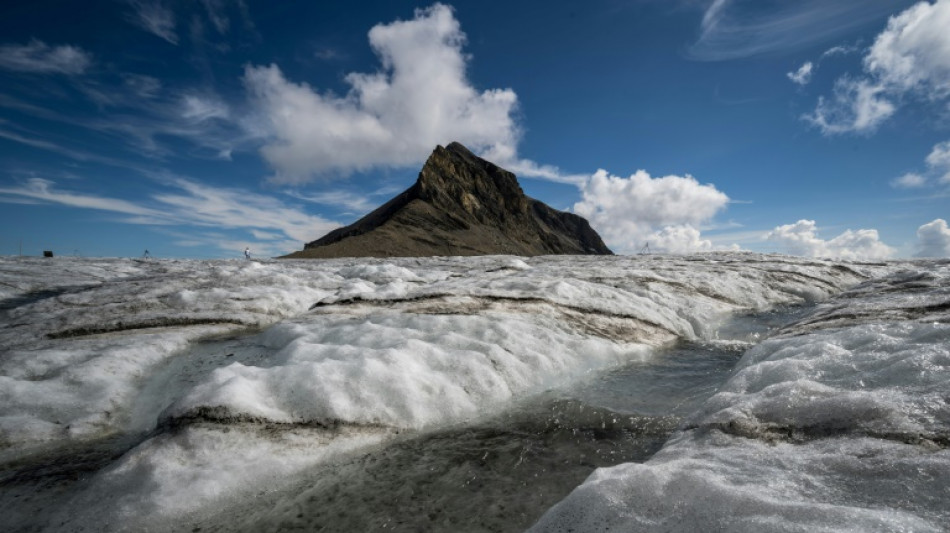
{"x":158,"y":394}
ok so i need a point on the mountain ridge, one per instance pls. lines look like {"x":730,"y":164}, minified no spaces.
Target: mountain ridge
{"x":460,"y":204}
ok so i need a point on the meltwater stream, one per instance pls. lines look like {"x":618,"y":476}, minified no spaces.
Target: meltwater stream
{"x":504,"y":473}
{"x":498,"y":474}
{"x":416,"y":394}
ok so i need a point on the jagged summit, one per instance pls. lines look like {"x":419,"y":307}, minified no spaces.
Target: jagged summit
{"x":461,"y":204}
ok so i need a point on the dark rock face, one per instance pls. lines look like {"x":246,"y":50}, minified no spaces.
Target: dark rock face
{"x":460,"y":205}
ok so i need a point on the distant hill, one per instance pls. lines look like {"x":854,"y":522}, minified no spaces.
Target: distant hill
{"x":460,"y":205}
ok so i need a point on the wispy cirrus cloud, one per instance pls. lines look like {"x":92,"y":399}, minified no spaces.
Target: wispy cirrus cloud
{"x":237,"y":208}
{"x":189,"y":203}
{"x":154,"y":17}
{"x":351,"y":201}
{"x":40,"y":58}
{"x":143,"y":116}
{"x":216,"y":14}
{"x":45,"y":144}
{"x":43,"y":189}
{"x":733,"y":29}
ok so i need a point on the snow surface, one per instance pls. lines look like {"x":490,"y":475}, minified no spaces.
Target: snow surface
{"x":212,"y":380}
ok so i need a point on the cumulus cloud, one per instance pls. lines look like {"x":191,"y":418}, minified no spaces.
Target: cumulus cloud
{"x":933,"y":239}
{"x":41,"y":58}
{"x":913,"y":52}
{"x":939,"y":156}
{"x":154,"y":17}
{"x":801,"y":238}
{"x":938,"y":162}
{"x":664,"y":212}
{"x":856,"y":106}
{"x":910,"y":180}
{"x":910,"y":58}
{"x":803,"y":75}
{"x":938,"y":169}
{"x":678,"y":240}
{"x":419,"y":98}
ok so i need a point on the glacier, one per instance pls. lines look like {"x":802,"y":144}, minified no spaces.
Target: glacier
{"x":171,"y":394}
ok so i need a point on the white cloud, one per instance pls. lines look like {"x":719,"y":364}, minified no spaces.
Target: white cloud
{"x":857,"y":106}
{"x":909,"y":181}
{"x":236,"y":208}
{"x":678,"y":239}
{"x":42,"y":144}
{"x":803,"y":75}
{"x":910,"y":57}
{"x":142,"y":86}
{"x":933,"y":239}
{"x":913,"y":52}
{"x":154,"y":17}
{"x":351,"y":201}
{"x":194,"y":204}
{"x":145,"y":117}
{"x":525,"y":168}
{"x":664,"y":212}
{"x":801,"y":238}
{"x":266,"y":235}
{"x":393,"y":117}
{"x":326,"y":53}
{"x":42,"y":189}
{"x":41,"y":58}
{"x":199,"y":109}
{"x":938,"y":169}
{"x":939,"y":156}
{"x":840,"y":50}
{"x":734,"y":29}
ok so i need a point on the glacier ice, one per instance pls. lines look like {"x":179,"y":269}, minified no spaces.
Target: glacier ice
{"x":841,"y":421}
{"x":198,"y":384}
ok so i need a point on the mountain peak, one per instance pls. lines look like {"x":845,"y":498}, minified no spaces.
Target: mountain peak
{"x":454,"y":178}
{"x":460,"y":204}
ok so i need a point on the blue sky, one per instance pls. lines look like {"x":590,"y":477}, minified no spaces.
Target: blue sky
{"x":197,"y":128}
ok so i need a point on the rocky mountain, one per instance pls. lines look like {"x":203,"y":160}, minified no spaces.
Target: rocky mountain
{"x":461,"y":204}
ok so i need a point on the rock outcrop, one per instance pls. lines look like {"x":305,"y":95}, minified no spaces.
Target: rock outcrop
{"x":460,"y":205}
